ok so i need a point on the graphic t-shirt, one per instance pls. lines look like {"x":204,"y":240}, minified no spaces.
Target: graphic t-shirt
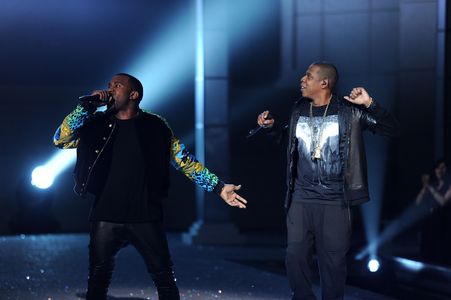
{"x":319,"y":180}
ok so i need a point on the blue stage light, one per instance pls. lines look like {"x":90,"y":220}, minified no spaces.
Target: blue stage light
{"x":42,"y":178}
{"x":172,"y":48}
{"x":373,"y":265}
{"x":410,"y":216}
{"x":167,"y":61}
{"x":410,"y":265}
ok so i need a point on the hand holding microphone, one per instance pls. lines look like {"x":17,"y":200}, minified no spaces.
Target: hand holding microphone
{"x":97,"y":98}
{"x":264,"y":120}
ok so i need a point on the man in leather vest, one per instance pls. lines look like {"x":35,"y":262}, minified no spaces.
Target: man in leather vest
{"x":123,"y":158}
{"x":326,"y":174}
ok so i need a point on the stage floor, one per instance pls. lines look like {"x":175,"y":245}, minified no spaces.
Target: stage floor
{"x":55,"y":267}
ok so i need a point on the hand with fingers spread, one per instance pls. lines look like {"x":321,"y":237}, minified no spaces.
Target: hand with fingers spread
{"x":359,"y":96}
{"x":265,"y":120}
{"x":230,"y":197}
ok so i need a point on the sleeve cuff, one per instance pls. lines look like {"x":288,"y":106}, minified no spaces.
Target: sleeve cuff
{"x":218,"y":188}
{"x":90,"y":108}
{"x":372,"y":105}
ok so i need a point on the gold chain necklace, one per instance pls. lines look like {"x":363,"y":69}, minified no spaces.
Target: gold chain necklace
{"x":316,"y":153}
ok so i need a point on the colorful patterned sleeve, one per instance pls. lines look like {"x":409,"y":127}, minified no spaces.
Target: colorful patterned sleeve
{"x":187,"y":163}
{"x":66,"y":135}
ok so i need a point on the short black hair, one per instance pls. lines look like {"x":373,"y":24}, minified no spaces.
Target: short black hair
{"x":135,"y":84}
{"x":329,"y":71}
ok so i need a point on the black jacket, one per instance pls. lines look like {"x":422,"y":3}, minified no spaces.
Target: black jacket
{"x":352,"y":121}
{"x":94,"y":153}
{"x":92,"y":135}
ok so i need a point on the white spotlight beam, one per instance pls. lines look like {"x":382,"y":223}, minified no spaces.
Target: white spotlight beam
{"x":43,"y":176}
{"x":167,"y":62}
{"x":163,"y":64}
{"x":412,"y":215}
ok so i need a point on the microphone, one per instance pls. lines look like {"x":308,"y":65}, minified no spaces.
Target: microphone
{"x":253,"y":131}
{"x":94,"y":98}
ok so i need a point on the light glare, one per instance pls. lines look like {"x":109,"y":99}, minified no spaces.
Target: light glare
{"x":410,"y":264}
{"x":373,"y":265}
{"x":41,"y":177}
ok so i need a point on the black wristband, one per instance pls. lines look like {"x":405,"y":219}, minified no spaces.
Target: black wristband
{"x":218,"y":188}
{"x":91,"y":108}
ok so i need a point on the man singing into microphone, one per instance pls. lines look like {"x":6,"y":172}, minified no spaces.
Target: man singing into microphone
{"x":326,"y":174}
{"x":123,"y":157}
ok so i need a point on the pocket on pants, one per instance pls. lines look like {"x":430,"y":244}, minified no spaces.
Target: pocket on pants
{"x":296,"y":224}
{"x":336,"y":229}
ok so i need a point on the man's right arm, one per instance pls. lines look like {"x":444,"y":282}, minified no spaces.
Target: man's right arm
{"x":66,"y":136}
{"x":273,"y":129}
{"x":265,"y":120}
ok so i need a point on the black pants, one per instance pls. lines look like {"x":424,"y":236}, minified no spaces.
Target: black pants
{"x":106,"y":239}
{"x":326,"y":229}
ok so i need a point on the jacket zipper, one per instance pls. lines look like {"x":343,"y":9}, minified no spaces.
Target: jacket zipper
{"x":345,"y":160}
{"x":97,"y":158}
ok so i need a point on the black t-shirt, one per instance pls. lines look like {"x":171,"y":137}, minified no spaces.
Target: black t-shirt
{"x":319,"y":180}
{"x":125,"y":197}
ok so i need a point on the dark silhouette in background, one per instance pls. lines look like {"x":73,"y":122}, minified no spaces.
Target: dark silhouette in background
{"x":435,"y":231}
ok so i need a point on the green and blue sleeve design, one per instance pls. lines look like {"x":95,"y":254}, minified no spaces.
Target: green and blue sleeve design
{"x":187,"y":163}
{"x":66,"y":135}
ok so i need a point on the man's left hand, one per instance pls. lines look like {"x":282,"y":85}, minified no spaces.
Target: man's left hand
{"x":230,"y":197}
{"x":359,"y":96}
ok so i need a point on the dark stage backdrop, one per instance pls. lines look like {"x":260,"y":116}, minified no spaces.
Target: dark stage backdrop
{"x":52,"y":52}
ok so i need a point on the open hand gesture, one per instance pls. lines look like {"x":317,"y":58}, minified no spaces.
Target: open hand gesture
{"x":231,"y":198}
